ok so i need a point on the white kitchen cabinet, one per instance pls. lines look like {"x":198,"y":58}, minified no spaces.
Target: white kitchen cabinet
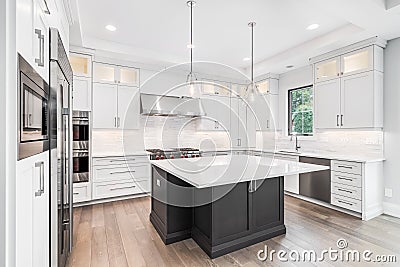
{"x":114,"y":74}
{"x":327,"y":70}
{"x":115,"y":106}
{"x":105,"y":106}
{"x":82,"y":192}
{"x":82,"y":93}
{"x":357,"y":101}
{"x":217,"y":109}
{"x":33,"y":35}
{"x":128,"y":116}
{"x":268,"y":86}
{"x":242,"y":130}
{"x":32,"y":211}
{"x":327,"y":104}
{"x":266,"y":111}
{"x":216,"y":88}
{"x":81,"y":64}
{"x":353,"y":101}
{"x":358,"y":61}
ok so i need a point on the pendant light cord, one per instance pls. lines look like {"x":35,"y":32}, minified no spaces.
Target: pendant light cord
{"x":252,"y":53}
{"x":191,"y":36}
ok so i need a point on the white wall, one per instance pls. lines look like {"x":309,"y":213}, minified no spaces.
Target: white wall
{"x":392,"y":125}
{"x":8,"y":133}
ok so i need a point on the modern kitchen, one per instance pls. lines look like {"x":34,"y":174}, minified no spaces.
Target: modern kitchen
{"x":199,"y":133}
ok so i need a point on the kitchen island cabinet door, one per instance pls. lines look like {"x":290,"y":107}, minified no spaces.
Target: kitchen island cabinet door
{"x":104,"y":106}
{"x":327,"y":104}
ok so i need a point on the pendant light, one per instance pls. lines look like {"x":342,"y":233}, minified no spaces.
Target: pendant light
{"x":252,"y":89}
{"x":191,"y":78}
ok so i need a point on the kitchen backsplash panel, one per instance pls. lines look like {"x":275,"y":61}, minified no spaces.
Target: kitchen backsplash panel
{"x":342,"y":142}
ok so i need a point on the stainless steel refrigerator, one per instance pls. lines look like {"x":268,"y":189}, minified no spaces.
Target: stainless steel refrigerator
{"x":60,"y":151}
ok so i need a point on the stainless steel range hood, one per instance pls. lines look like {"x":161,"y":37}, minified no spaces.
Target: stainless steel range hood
{"x":156,"y":105}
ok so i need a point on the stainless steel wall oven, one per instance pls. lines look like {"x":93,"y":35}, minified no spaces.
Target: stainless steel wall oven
{"x":81,"y":130}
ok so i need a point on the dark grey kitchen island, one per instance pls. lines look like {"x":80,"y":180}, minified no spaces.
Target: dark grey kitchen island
{"x":231,"y":204}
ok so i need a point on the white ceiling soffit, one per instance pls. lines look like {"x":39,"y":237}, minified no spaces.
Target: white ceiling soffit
{"x":157,"y":31}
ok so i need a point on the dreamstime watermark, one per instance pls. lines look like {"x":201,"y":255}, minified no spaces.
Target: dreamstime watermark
{"x":339,"y":254}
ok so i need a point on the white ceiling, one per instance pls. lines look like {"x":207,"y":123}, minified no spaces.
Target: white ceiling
{"x":158,"y":30}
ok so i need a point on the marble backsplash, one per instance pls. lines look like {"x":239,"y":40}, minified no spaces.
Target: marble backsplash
{"x":170,"y":132}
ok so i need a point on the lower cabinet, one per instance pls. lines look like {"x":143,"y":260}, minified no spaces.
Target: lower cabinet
{"x":120,"y":176}
{"x":291,"y":182}
{"x":82,"y":192}
{"x":33,"y":211}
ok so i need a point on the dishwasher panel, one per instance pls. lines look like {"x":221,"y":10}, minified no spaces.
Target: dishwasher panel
{"x":316,"y":185}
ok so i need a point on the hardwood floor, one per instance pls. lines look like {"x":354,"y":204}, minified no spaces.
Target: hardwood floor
{"x":120,"y":234}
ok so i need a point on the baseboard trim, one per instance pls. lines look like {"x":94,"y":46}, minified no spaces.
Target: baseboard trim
{"x":105,"y":200}
{"x":391,"y":209}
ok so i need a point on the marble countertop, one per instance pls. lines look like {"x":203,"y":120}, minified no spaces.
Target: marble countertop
{"x":324,"y":155}
{"x":118,"y":154}
{"x":206,"y":172}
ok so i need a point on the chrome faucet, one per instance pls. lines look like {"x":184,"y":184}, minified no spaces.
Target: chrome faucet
{"x":297,"y":147}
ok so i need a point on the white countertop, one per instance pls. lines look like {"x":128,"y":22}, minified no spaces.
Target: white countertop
{"x":118,"y":154}
{"x":323,"y":155}
{"x":206,"y":172}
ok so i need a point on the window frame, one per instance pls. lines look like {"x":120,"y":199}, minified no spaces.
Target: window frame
{"x":289,"y":110}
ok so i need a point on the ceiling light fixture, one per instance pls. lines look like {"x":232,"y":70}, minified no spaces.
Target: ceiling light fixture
{"x":313,"y":27}
{"x":191,"y":78}
{"x":246,"y":59}
{"x":111,"y":28}
{"x":251,"y":89}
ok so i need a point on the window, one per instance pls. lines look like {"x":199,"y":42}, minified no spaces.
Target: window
{"x":301,"y":111}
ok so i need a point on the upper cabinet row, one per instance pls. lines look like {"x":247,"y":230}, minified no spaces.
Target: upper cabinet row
{"x":358,"y":61}
{"x":348,"y":90}
{"x":115,"y":74}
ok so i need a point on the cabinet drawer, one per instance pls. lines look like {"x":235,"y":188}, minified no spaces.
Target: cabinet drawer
{"x":345,"y":202}
{"x":119,"y":161}
{"x":122,"y":172}
{"x":346,"y":179}
{"x":144,"y":185}
{"x":345,"y":190}
{"x":81,"y":193}
{"x":347,"y":167}
{"x":106,"y":190}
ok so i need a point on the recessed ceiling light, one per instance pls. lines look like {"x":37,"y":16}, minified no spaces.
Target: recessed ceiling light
{"x":191,"y":46}
{"x":313,"y":27}
{"x":111,"y":28}
{"x":246,"y":59}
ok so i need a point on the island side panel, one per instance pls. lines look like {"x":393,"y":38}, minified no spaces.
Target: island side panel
{"x":172,"y":221}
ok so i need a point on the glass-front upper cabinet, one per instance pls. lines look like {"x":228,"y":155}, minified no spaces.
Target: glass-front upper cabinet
{"x":81,"y":64}
{"x":216,"y":88}
{"x":114,"y":74}
{"x":357,"y":61}
{"x":263,"y":87}
{"x":327,"y":69}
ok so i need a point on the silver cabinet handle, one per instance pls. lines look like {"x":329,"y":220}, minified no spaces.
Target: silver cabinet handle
{"x":40,"y":61}
{"x":267,"y":124}
{"x":121,"y":172}
{"x":346,"y":179}
{"x":347,"y":191}
{"x":76,"y":193}
{"x":30,"y":119}
{"x":119,"y":122}
{"x":345,"y":202}
{"x":119,"y":188}
{"x":337,"y":120}
{"x":341,"y":120}
{"x":346,"y":167}
{"x":40,"y":191}
{"x":115,"y":122}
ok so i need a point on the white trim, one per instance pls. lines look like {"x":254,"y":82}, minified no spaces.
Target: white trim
{"x":105,"y":200}
{"x":391,"y":209}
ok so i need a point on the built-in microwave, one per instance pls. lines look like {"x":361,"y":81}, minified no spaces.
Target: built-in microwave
{"x":33,"y":111}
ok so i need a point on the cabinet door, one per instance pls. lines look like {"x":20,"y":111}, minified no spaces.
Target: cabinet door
{"x":357,"y":61}
{"x":104,"y":106}
{"x":291,"y":182}
{"x":250,"y":127}
{"x":243,"y":134}
{"x":40,"y":41}
{"x":327,"y":104}
{"x":82,"y":93}
{"x":81,"y":64}
{"x":327,"y":70}
{"x":266,"y":111}
{"x":24,"y":27}
{"x":128,"y":107}
{"x":217,"y":110}
{"x":357,"y":105}
{"x":263,"y":87}
{"x":127,"y":76}
{"x":104,"y":73}
{"x":234,"y":122}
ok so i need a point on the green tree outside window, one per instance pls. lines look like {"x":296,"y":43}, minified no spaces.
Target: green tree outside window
{"x":301,"y":111}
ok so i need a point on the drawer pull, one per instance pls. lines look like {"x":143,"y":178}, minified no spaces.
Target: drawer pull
{"x":347,"y":191}
{"x":121,"y":172}
{"x":119,"y":188}
{"x":346,"y":167}
{"x":346,"y":179}
{"x":76,"y":193}
{"x":345,"y":202}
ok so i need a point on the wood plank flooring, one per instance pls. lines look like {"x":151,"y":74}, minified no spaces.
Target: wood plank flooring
{"x":120,"y":234}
